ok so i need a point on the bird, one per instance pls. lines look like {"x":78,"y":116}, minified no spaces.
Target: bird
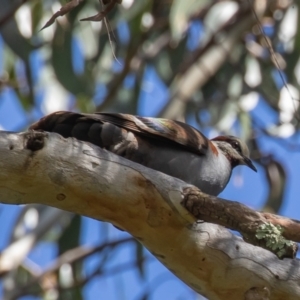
{"x":171,"y":147}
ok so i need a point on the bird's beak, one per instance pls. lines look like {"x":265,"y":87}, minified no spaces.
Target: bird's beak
{"x":246,"y":161}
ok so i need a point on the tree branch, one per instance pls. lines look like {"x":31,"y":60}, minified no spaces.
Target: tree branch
{"x":82,"y":178}
{"x":261,"y":229}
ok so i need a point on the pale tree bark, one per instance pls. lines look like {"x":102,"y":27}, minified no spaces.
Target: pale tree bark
{"x":81,"y":178}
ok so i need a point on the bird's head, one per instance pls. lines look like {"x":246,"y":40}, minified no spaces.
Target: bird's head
{"x":235,"y":150}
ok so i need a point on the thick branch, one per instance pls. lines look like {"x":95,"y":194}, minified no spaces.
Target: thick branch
{"x":82,"y":178}
{"x":248,"y":222}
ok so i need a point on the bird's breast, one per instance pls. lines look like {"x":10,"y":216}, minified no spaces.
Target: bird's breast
{"x":214,"y":174}
{"x":209,"y":173}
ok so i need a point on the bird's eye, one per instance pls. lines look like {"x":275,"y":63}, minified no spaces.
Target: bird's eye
{"x":236,"y":145}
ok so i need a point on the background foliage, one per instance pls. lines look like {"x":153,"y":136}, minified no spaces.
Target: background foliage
{"x":222,"y":66}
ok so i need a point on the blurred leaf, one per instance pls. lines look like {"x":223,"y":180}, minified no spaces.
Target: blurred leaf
{"x":163,"y":66}
{"x":11,"y":33}
{"x":71,"y":235}
{"x":139,"y":255}
{"x":136,"y":9}
{"x":178,"y":54}
{"x":63,"y":65}
{"x":36,"y":15}
{"x":166,"y":62}
{"x":246,"y":125}
{"x":103,"y":13}
{"x":138,"y":83}
{"x":70,"y":239}
{"x":145,"y":296}
{"x":276,"y":177}
{"x":135,"y":21}
{"x":127,"y":104}
{"x":235,"y":86}
{"x":293,"y":57}
{"x":181,"y":11}
{"x":269,"y":88}
{"x":25,"y":91}
{"x":73,"y":15}
{"x":101,"y":43}
{"x":13,"y":38}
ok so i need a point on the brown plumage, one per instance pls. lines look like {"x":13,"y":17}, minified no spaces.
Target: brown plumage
{"x":171,"y":147}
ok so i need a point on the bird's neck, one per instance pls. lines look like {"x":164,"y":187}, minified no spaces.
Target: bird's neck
{"x":215,"y":170}
{"x":223,"y":149}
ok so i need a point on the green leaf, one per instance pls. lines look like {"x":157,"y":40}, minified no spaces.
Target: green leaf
{"x":139,"y":254}
{"x":63,"y":66}
{"x":69,"y":240}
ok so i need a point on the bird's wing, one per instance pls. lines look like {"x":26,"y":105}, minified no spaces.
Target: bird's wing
{"x":154,"y":128}
{"x":158,"y":128}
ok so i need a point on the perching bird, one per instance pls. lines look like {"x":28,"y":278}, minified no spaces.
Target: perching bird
{"x":171,"y":147}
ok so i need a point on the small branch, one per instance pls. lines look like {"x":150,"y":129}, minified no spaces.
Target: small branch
{"x":69,"y":257}
{"x":260,"y":229}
